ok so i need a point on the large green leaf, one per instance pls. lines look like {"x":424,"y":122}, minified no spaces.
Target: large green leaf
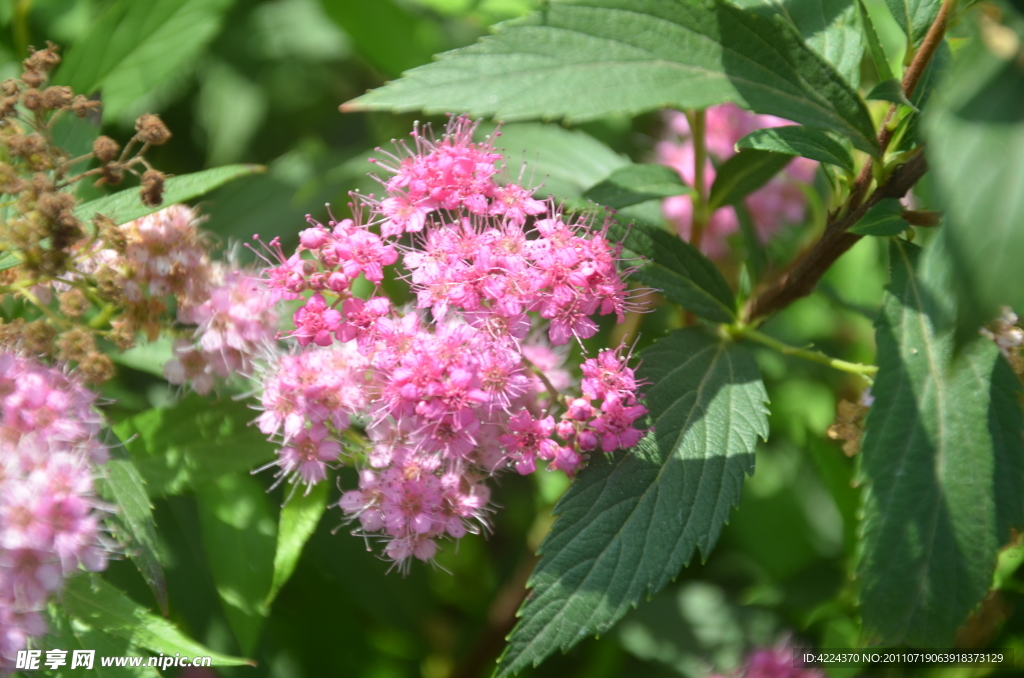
{"x":299,"y":518}
{"x":679,"y":271}
{"x":628,"y":524}
{"x":133,"y":522}
{"x":126,"y":205}
{"x":238,"y":529}
{"x":828,"y":26}
{"x":96,"y":604}
{"x":135,"y":46}
{"x":584,"y":59}
{"x":64,"y":633}
{"x":915,"y":17}
{"x":943,"y":458}
{"x":192,"y":443}
{"x":794,"y":140}
{"x":974,"y":128}
{"x":635,"y":184}
{"x":744,"y":173}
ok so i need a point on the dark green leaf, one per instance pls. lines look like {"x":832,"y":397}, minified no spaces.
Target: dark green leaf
{"x":135,"y":46}
{"x":679,"y":270}
{"x":126,"y":205}
{"x":565,"y":162}
{"x":744,"y":173}
{"x":915,"y":17}
{"x":134,"y":520}
{"x":94,"y":602}
{"x":635,"y":184}
{"x":874,"y":44}
{"x":943,"y":458}
{"x":803,"y":141}
{"x":238,"y":530}
{"x":589,"y":58}
{"x":883,"y":219}
{"x":890,"y":90}
{"x":387,"y":35}
{"x":194,"y":442}
{"x":74,"y":135}
{"x":299,"y":518}
{"x":829,"y":27}
{"x":628,"y":524}
{"x":974,"y":128}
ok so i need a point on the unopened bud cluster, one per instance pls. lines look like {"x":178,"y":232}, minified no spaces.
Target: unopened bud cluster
{"x":465,"y":384}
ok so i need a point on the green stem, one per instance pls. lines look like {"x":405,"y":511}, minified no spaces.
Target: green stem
{"x":865,"y":371}
{"x":700,"y":154}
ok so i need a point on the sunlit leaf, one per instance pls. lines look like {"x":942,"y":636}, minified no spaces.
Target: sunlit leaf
{"x":299,"y":518}
{"x":793,"y":140}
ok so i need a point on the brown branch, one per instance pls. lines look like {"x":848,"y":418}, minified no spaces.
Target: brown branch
{"x":803,"y":276}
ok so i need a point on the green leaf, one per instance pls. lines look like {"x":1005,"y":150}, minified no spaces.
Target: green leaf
{"x":147,"y":357}
{"x":136,"y":46}
{"x":874,"y":44}
{"x":387,"y":35}
{"x":238,"y":531}
{"x":585,"y":59}
{"x":890,"y":90}
{"x":133,"y":519}
{"x":803,"y":141}
{"x":635,"y":184}
{"x":93,"y":602}
{"x":679,"y":270}
{"x":67,"y":634}
{"x":829,"y":27}
{"x":915,"y":17}
{"x":565,"y":162}
{"x":883,"y":219}
{"x":299,"y":518}
{"x":628,"y":524}
{"x":126,"y":205}
{"x":933,"y":74}
{"x":943,"y":458}
{"x":744,"y":173}
{"x":974,"y":127}
{"x":9,"y":260}
{"x":194,"y":442}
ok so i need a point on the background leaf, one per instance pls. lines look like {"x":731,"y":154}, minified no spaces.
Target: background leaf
{"x":193,"y":442}
{"x":943,"y":458}
{"x":803,"y":141}
{"x":635,"y":184}
{"x":744,"y":173}
{"x":586,"y":59}
{"x":299,"y":518}
{"x":238,"y":530}
{"x":878,"y":57}
{"x":628,"y":524}
{"x":915,"y":17}
{"x":679,"y":271}
{"x":126,"y":205}
{"x":97,"y":604}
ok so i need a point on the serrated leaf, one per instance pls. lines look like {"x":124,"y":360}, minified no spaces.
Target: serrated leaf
{"x":829,"y":27}
{"x":98,"y":605}
{"x":884,"y":219}
{"x":299,"y":518}
{"x":915,"y":17}
{"x":238,"y":530}
{"x":126,"y":205}
{"x":135,"y":46}
{"x":635,"y":184}
{"x":193,"y":442}
{"x":124,"y":486}
{"x":564,"y":162}
{"x":974,"y":128}
{"x":802,"y":141}
{"x":744,"y":173}
{"x":943,"y":457}
{"x":585,"y":59}
{"x":679,"y":271}
{"x":627,"y":524}
{"x":70,"y":635}
{"x":890,"y":90}
{"x":874,"y":44}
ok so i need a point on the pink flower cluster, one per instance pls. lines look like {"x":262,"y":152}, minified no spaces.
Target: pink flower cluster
{"x":455,"y":395}
{"x":774,"y":662}
{"x":779,"y":202}
{"x":235,"y":320}
{"x":49,"y":525}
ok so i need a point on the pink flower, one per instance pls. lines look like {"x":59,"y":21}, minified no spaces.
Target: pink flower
{"x":309,"y":453}
{"x":314,"y":322}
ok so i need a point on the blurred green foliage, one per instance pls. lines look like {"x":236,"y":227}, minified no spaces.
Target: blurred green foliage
{"x":249,"y":81}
